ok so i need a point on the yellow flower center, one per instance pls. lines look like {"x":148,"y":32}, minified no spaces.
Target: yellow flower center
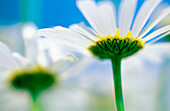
{"x":108,"y":47}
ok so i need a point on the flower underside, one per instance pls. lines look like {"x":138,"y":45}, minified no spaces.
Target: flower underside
{"x":34,"y":81}
{"x":108,"y":47}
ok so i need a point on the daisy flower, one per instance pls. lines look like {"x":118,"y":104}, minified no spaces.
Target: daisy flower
{"x":145,"y":81}
{"x":109,"y":40}
{"x":28,"y":76}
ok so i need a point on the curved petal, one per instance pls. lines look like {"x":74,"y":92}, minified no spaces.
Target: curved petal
{"x":6,"y":59}
{"x":84,"y":31}
{"x":30,"y":44}
{"x":31,"y":49}
{"x":160,"y":37}
{"x":101,"y":17}
{"x":126,"y":14}
{"x":157,"y":32}
{"x":66,"y":38}
{"x":144,"y":13}
{"x":154,"y":22}
{"x":90,"y":11}
{"x":108,"y":16}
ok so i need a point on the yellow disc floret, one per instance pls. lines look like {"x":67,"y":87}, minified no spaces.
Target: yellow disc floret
{"x":110,"y":46}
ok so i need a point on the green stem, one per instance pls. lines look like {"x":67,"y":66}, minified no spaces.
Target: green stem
{"x":116,"y":65}
{"x":35,"y":104}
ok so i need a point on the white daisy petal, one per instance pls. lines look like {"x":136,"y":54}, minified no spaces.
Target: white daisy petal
{"x":90,"y":10}
{"x":64,"y":34}
{"x":44,"y":58}
{"x":84,"y":31}
{"x":68,"y":47}
{"x":154,"y":22}
{"x":143,"y":15}
{"x":30,"y":44}
{"x":63,"y":62}
{"x":6,"y":59}
{"x":157,"y":33}
{"x":70,"y":40}
{"x":160,"y":37}
{"x":126,"y":14}
{"x":28,"y":30}
{"x":31,"y":49}
{"x":108,"y":14}
{"x":20,"y":59}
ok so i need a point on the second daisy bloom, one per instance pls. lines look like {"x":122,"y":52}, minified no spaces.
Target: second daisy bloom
{"x":107,"y":40}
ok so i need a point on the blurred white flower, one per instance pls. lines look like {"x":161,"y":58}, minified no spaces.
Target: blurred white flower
{"x":19,"y":74}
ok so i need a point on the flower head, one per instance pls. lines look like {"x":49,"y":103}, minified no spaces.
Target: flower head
{"x":31,"y":73}
{"x":109,"y":46}
{"x":33,"y":80}
{"x":110,"y":39}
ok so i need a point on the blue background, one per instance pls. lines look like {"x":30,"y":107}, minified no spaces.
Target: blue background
{"x":44,"y":13}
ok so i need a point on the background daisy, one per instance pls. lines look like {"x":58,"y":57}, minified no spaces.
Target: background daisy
{"x":35,"y":58}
